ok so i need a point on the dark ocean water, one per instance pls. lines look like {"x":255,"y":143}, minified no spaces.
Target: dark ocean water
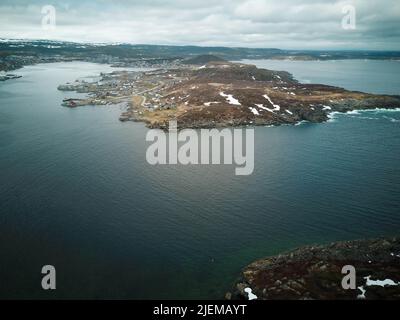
{"x":76,"y":192}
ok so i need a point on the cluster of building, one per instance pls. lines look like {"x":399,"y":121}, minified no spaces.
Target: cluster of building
{"x":157,"y":63}
{"x":122,"y":86}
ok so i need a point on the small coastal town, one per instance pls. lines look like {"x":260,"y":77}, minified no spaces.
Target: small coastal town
{"x":121,"y":86}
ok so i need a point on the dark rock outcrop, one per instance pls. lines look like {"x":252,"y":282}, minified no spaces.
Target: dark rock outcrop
{"x":315,"y":272}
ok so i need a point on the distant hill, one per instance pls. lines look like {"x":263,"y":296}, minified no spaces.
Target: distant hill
{"x":87,"y":51}
{"x":203,"y":59}
{"x":16,"y":53}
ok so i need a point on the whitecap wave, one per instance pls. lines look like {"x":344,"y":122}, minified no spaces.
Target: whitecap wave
{"x":382,"y":110}
{"x":392,"y":119}
{"x":367,"y":118}
{"x":332,"y":116}
{"x":355,"y":112}
{"x":301,"y":123}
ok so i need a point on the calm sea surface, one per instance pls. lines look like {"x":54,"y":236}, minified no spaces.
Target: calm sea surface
{"x":373,"y":76}
{"x":76,"y":191}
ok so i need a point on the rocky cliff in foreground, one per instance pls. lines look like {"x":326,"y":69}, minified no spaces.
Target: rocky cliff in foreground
{"x":315,"y":272}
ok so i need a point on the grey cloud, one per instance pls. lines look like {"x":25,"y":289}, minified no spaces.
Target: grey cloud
{"x":254,"y":23}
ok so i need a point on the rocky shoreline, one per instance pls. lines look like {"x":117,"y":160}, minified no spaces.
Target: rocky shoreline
{"x":315,"y":272}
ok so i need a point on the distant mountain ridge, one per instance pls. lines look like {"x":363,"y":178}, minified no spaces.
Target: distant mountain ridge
{"x":162,"y":51}
{"x":16,"y":53}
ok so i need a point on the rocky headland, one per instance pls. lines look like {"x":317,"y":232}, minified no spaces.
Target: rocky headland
{"x":315,"y":272}
{"x":222,"y":94}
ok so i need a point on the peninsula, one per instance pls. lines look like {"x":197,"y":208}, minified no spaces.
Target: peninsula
{"x":208,"y":91}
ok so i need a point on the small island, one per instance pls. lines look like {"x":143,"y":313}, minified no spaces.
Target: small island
{"x":209,"y":92}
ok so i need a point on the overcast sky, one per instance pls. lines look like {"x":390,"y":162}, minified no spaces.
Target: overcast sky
{"x":288,"y":24}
